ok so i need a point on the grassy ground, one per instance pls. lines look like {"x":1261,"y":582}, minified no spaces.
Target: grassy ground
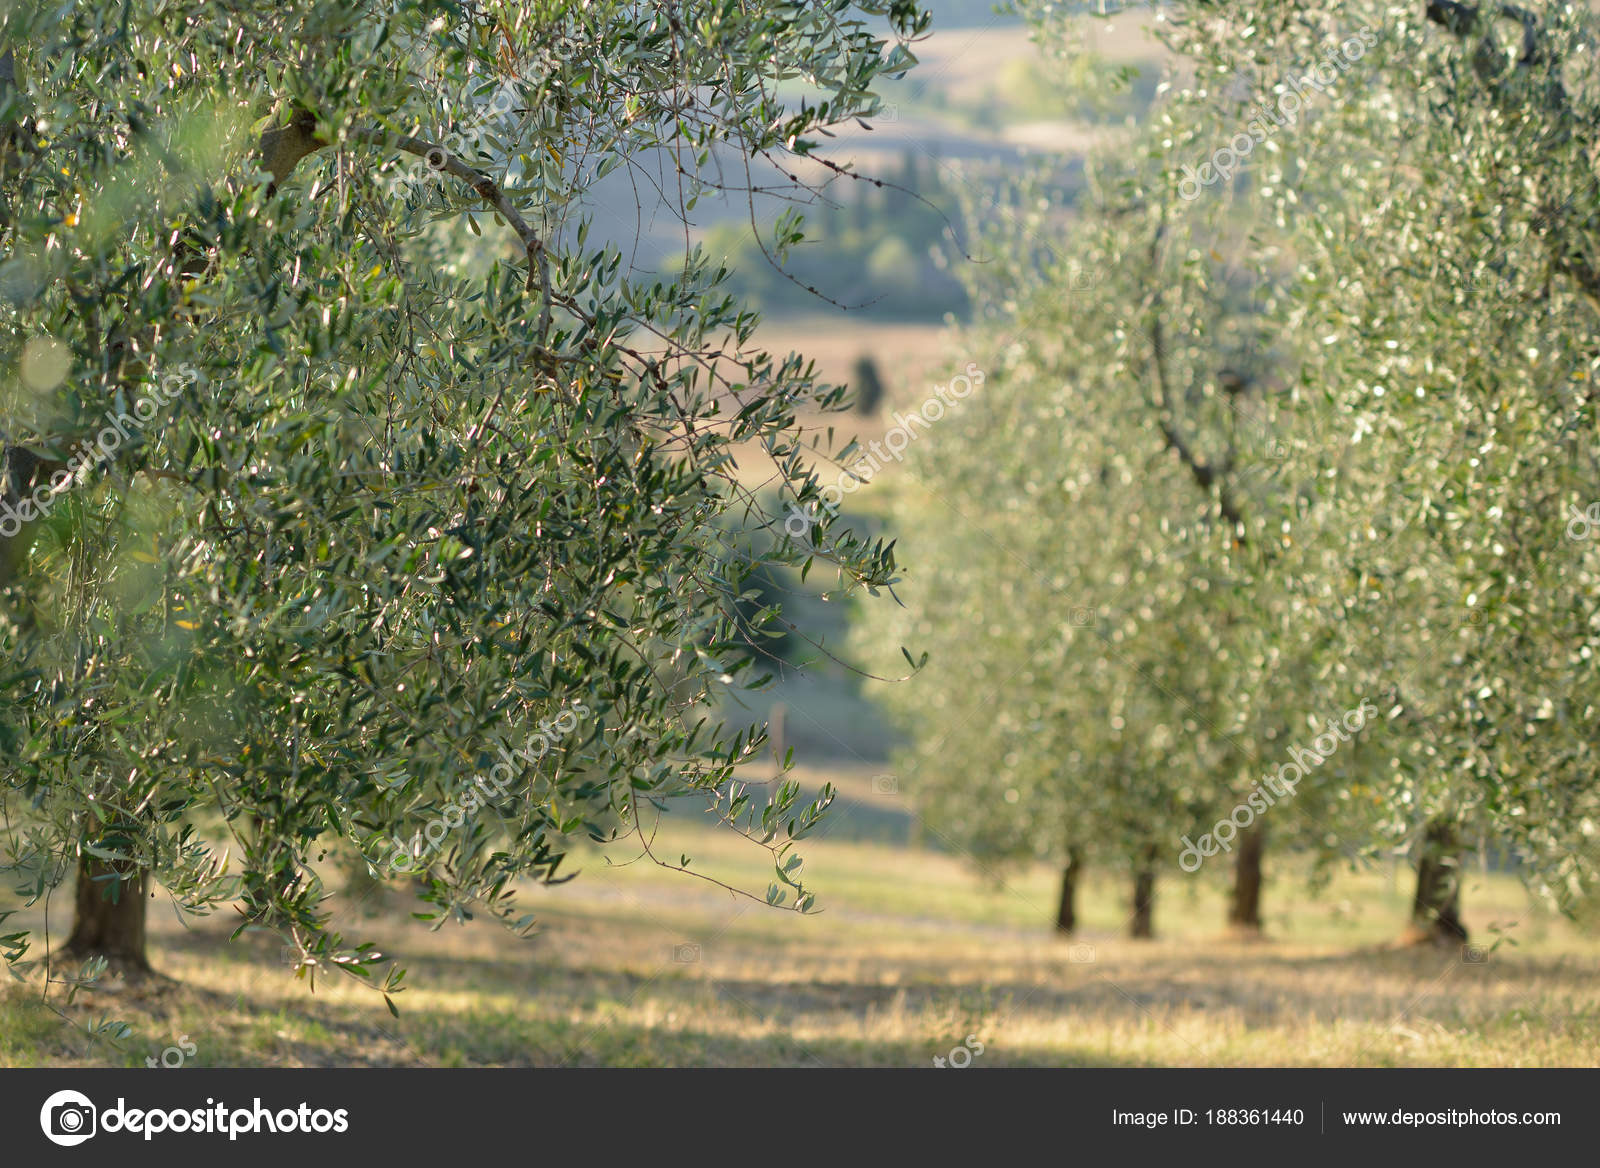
{"x":641,"y":967}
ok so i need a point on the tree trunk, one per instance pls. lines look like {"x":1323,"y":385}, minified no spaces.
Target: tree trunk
{"x":110,"y":918}
{"x":1141,"y":925}
{"x":1436,"y":908}
{"x":1067,"y":913}
{"x":1244,"y":910}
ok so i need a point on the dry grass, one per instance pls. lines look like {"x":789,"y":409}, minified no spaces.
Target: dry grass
{"x":908,"y":354}
{"x":912,"y":359}
{"x":912,"y":955}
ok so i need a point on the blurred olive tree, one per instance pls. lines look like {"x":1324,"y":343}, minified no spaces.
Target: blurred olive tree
{"x":1297,"y":415}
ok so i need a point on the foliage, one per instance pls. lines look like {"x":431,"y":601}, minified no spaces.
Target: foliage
{"x":1308,"y":436}
{"x":418,"y":497}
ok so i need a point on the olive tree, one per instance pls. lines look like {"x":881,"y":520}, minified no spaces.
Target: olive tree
{"x":1099,"y":588}
{"x":1411,"y":195}
{"x":1441,"y":206}
{"x":355,"y":497}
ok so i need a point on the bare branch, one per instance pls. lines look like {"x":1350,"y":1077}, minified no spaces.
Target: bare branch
{"x":1205,"y":473}
{"x":489,"y":191}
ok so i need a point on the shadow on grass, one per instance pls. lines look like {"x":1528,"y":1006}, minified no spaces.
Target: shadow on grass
{"x":1261,"y":986}
{"x":227,"y":1033}
{"x":528,"y":1007}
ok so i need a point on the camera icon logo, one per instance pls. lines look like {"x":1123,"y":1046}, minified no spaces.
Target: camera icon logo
{"x":1474,"y":954}
{"x":686,"y":954}
{"x":68,"y":1118}
{"x":885,"y":784}
{"x":1081,"y":955}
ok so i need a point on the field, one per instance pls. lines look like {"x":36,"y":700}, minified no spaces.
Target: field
{"x":636,"y":966}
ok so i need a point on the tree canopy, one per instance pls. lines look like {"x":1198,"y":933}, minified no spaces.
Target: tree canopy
{"x":419,"y":506}
{"x":1293,"y":412}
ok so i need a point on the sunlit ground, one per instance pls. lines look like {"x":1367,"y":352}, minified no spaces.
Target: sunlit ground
{"x":638,"y":966}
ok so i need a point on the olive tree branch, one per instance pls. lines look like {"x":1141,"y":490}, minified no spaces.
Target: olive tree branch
{"x":489,"y":191}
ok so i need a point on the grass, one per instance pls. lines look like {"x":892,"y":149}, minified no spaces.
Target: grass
{"x":637,"y":966}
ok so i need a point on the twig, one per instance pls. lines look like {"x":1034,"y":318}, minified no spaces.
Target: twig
{"x":489,"y":191}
